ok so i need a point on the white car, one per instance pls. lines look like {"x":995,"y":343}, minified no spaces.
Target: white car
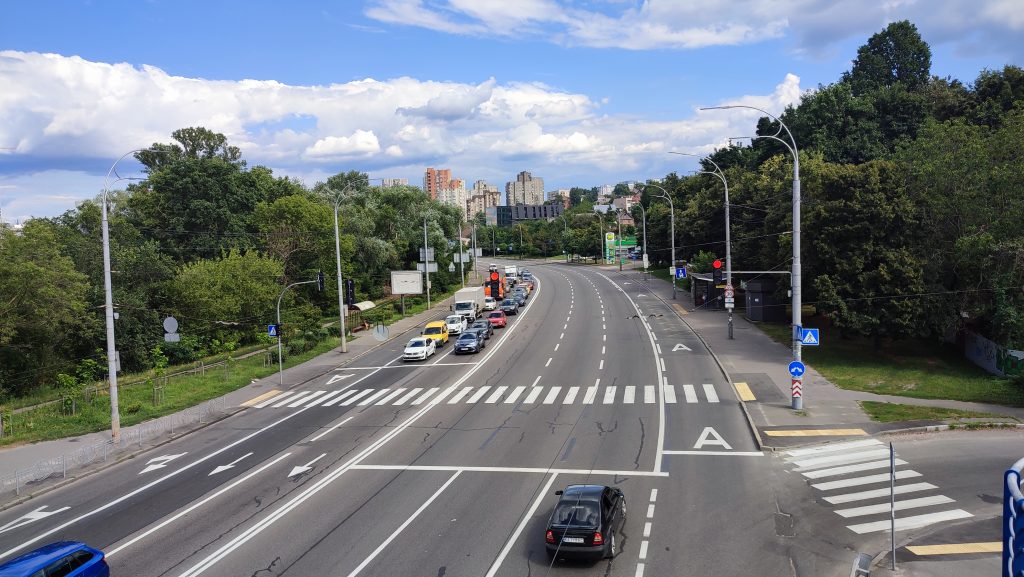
{"x":456,"y":324}
{"x":419,"y":349}
{"x":490,"y":304}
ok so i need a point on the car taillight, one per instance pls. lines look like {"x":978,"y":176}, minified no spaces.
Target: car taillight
{"x":549,"y":536}
{"x":598,"y":539}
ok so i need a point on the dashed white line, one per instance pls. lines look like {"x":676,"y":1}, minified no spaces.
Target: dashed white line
{"x":549,"y":361}
{"x":331,"y":429}
{"x":600,"y":367}
{"x":535,"y":381}
{"x":650,"y":511}
{"x":561,"y":336}
{"x":647,"y":529}
{"x":643,"y":550}
{"x":557,"y":345}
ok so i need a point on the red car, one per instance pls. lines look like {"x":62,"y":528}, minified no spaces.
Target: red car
{"x":497,"y":319}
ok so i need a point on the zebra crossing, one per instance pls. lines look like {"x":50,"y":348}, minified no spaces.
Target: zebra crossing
{"x":854,"y":477}
{"x":499,"y":395}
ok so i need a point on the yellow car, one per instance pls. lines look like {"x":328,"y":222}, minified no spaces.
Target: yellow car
{"x":437,"y":330}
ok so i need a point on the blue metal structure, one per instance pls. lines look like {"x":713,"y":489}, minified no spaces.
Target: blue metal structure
{"x":1013,"y":522}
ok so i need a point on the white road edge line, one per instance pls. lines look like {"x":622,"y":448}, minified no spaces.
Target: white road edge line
{"x":522,"y":525}
{"x":718,"y":453}
{"x":402,"y":527}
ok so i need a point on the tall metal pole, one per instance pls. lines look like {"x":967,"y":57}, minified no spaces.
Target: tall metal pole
{"x":797,"y":390}
{"x":462,"y":261}
{"x":426,"y":260}
{"x":672,"y":221}
{"x":520,"y":242}
{"x":476,"y":276}
{"x":643,"y":211}
{"x":618,"y":253}
{"x":280,"y":357}
{"x":341,"y":286}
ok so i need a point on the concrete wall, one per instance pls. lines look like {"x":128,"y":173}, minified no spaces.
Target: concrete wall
{"x":992,"y":357}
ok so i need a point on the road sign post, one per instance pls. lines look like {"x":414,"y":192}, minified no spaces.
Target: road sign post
{"x":796,"y":371}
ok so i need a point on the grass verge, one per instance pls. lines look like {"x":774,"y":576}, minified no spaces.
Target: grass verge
{"x":918,"y":368}
{"x":894,"y":413}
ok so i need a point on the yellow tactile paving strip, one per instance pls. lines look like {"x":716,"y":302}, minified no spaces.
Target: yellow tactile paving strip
{"x":679,"y":308}
{"x":260,"y":398}
{"x":815,"y":432}
{"x":956,"y":548}
{"x":743,"y":390}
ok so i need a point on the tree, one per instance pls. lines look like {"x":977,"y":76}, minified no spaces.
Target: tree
{"x":894,"y":55}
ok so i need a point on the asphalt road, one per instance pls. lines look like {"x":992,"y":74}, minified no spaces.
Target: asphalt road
{"x":449,"y":467}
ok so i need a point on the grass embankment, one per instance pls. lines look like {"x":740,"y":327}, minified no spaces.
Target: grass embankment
{"x":894,"y":412}
{"x":916,"y":368}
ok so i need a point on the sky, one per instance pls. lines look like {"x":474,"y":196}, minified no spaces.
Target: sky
{"x":579,"y":92}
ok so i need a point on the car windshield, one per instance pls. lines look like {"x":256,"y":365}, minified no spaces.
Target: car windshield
{"x":508,"y":302}
{"x":468,"y":337}
{"x":417,"y":343}
{"x":455,"y":320}
{"x":432,"y":331}
{"x":576,"y":514}
{"x":459,"y":306}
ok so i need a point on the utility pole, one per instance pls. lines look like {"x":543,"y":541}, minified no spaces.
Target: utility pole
{"x":476,"y":277}
{"x":462,"y":260}
{"x":426,"y":259}
{"x":618,"y":253}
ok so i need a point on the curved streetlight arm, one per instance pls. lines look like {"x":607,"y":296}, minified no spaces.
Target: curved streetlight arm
{"x":782,"y":125}
{"x":672,"y":224}
{"x":784,"y":143}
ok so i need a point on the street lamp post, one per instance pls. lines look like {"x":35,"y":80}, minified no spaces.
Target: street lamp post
{"x":643,"y":211}
{"x":520,"y":242}
{"x":565,"y":230}
{"x":672,"y":221}
{"x":797,"y":393}
{"x":618,"y":253}
{"x":728,"y":242}
{"x":426,"y":260}
{"x":280,"y":361}
{"x":337,"y":254}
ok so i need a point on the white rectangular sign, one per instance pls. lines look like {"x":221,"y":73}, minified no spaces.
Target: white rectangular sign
{"x":406,"y":282}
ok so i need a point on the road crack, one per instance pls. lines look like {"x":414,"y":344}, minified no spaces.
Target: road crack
{"x":643,"y":435}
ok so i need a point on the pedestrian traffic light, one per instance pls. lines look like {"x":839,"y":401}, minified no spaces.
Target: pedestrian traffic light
{"x":716,"y":271}
{"x":320,"y":281}
{"x":350,"y":291}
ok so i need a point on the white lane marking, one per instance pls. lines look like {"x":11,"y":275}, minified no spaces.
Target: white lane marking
{"x":710,"y":393}
{"x":602,"y":349}
{"x":557,"y":345}
{"x":639,"y":570}
{"x":522,"y":525}
{"x":670,"y":394}
{"x":600,"y":366}
{"x":535,"y":381}
{"x":649,"y":394}
{"x":900,"y":506}
{"x":274,"y":399}
{"x":876,"y":493}
{"x":602,"y":319}
{"x":549,"y":361}
{"x":458,"y":396}
{"x":496,"y":395}
{"x":903,"y":523}
{"x":647,"y":529}
{"x":690,"y":393}
{"x":659,"y":348}
{"x":718,"y":453}
{"x":662,"y":364}
{"x":340,"y":398}
{"x":531,"y":397}
{"x":374,"y":397}
{"x":570,"y":396}
{"x":402,"y":527}
{"x":309,"y":398}
{"x":604,"y":338}
{"x":561,"y":336}
{"x":285,"y":402}
{"x":303,"y":468}
{"x":158,"y":463}
{"x":609,"y":395}
{"x":358,"y":395}
{"x":629,"y":394}
{"x":478,"y":394}
{"x":35,"y":515}
{"x":831,"y":472}
{"x":231,"y":465}
{"x":832,"y":447}
{"x":653,"y":336}
{"x":654,"y":495}
{"x":604,"y":327}
{"x":816,"y":462}
{"x":552,"y":395}
{"x":326,"y":399}
{"x":643,"y":550}
{"x":565,"y":326}
{"x":588,"y":397}
{"x":427,"y":394}
{"x":331,"y":429}
{"x":408,"y":396}
{"x":650,"y":511}
{"x":390,"y":397}
{"x":196,"y":505}
{"x":514,"y":394}
{"x":868,"y":480}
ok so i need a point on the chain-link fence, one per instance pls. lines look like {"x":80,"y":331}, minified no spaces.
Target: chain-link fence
{"x":52,"y":470}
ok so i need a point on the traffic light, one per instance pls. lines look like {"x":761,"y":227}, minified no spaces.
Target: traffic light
{"x":716,"y":272}
{"x":350,"y":291}
{"x":320,"y":281}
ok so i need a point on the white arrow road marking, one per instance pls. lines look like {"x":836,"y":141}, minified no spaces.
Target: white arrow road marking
{"x":30,"y":517}
{"x":337,"y":378}
{"x":641,"y":295}
{"x":306,"y":467}
{"x":160,"y":462}
{"x":705,"y":439}
{"x":681,"y":347}
{"x":230,"y":465}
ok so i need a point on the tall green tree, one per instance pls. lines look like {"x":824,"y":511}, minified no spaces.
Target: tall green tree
{"x":897,"y":54}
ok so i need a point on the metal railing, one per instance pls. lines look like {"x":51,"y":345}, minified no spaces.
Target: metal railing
{"x":55,"y":469}
{"x":1013,"y":522}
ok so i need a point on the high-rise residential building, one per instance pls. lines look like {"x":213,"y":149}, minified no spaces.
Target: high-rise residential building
{"x":434,"y":179}
{"x":482,"y":197}
{"x":526,"y":189}
{"x":562,"y":196}
{"x":391,"y":182}
{"x":454,"y":194}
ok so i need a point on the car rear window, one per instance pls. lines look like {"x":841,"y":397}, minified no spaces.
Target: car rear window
{"x":576,"y":514}
{"x":495,"y":315}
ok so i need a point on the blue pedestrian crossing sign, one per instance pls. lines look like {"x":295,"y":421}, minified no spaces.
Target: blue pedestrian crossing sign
{"x":272,"y":330}
{"x":796,"y":369}
{"x":680,"y":272}
{"x":809,"y":337}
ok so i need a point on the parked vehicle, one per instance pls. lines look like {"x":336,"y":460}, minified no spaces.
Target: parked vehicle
{"x":419,"y":349}
{"x":509,"y":307}
{"x":469,"y":302}
{"x":64,"y":558}
{"x":469,"y":342}
{"x":497,"y":319}
{"x":437,"y":330}
{"x":456,"y":324}
{"x":484,"y":325}
{"x":585,"y":522}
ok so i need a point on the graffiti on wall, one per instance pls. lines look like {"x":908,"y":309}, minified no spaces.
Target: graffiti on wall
{"x":993,"y":358}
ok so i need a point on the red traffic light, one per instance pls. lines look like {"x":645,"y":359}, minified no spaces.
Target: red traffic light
{"x":717,"y":264}
{"x":494,"y":276}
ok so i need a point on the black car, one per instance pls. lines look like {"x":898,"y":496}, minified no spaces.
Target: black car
{"x":585,"y":522}
{"x":521,"y":291}
{"x":469,"y":342}
{"x":509,"y":307}
{"x":519,"y":298}
{"x":484,"y":325}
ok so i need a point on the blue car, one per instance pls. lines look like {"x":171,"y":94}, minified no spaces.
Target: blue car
{"x":62,"y":559}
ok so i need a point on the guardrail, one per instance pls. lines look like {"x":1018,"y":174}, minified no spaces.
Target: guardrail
{"x":57,"y":468}
{"x":1013,"y":522}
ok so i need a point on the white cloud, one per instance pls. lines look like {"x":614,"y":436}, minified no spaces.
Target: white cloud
{"x":361,"y":143}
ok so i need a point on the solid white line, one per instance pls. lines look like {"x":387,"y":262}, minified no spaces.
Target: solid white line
{"x":196,"y":505}
{"x":718,"y":453}
{"x":402,"y":527}
{"x":309,"y":398}
{"x":850,"y":469}
{"x":910,"y":522}
{"x":654,"y":495}
{"x":690,"y":393}
{"x":549,"y":361}
{"x":496,"y":395}
{"x":326,"y":399}
{"x":647,"y":529}
{"x":478,"y":394}
{"x":832,"y":447}
{"x":390,"y":397}
{"x":522,"y":525}
{"x":629,"y":394}
{"x":409,"y":396}
{"x":650,"y":511}
{"x":358,"y":395}
{"x":876,"y":493}
{"x":670,"y":394}
{"x":600,"y":366}
{"x":900,"y":506}
{"x":515,"y":394}
{"x":285,"y":402}
{"x":274,"y":399}
{"x":710,"y":393}
{"x":649,"y":394}
{"x":525,"y":470}
{"x":552,"y":395}
{"x":458,"y":396}
{"x":570,"y":396}
{"x":374,"y":397}
{"x":426,"y":395}
{"x":331,"y":429}
{"x":816,"y":462}
{"x":531,"y":397}
{"x":588,"y":397}
{"x":535,"y":381}
{"x":643,"y":550}
{"x":868,"y":480}
{"x":609,"y":395}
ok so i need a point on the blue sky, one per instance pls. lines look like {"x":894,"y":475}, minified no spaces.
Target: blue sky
{"x":580,"y":92}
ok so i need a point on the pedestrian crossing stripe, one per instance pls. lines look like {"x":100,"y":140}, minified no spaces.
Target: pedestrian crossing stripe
{"x":486,"y":394}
